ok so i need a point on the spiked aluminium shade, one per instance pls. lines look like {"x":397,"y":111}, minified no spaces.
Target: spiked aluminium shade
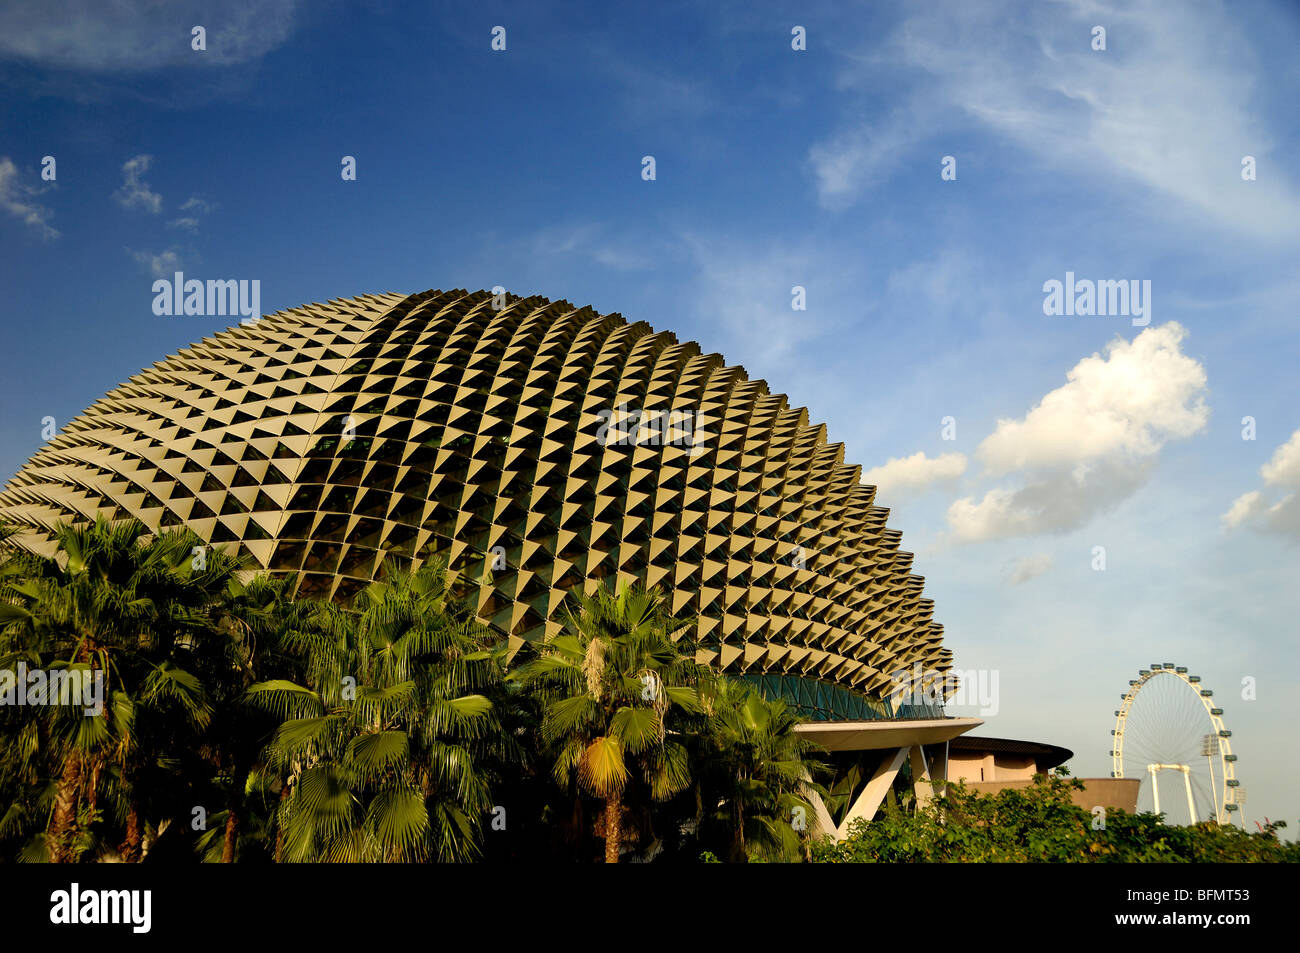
{"x":338,"y":439}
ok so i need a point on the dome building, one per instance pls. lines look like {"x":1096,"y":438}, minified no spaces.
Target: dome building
{"x":537,"y":447}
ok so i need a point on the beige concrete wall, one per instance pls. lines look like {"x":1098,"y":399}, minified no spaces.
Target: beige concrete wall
{"x":969,"y":766}
{"x":1110,"y":793}
{"x":973,"y":766}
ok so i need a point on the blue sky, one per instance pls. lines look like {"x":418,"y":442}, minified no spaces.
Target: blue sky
{"x":774,"y":168}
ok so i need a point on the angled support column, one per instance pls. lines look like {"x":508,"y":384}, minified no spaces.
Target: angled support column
{"x":921,"y":785}
{"x":822,"y":816}
{"x":869,"y":800}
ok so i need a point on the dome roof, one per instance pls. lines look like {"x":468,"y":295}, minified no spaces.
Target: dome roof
{"x":536,"y":446}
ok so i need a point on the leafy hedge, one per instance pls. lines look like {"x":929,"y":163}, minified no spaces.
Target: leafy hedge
{"x":1040,"y":824}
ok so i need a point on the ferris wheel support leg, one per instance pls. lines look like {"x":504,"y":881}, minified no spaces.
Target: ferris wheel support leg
{"x":1155,"y":786}
{"x":1191,"y":804}
{"x":1214,"y":792}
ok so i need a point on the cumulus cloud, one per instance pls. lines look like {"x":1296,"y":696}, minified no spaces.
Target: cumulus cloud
{"x":1089,"y":444}
{"x":1048,"y":502}
{"x":135,"y":192}
{"x":1284,"y":468}
{"x":1029,"y":567}
{"x":1282,"y":515}
{"x":1243,"y":507}
{"x":902,"y":475}
{"x":1130,"y":402}
{"x":17,"y":199}
{"x":1169,"y":108}
{"x":141,"y":35}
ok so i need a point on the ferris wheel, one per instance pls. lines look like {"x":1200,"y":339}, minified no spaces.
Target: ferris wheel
{"x":1167,"y":728}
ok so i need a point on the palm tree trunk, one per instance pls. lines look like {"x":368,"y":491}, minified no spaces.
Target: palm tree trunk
{"x":613,"y":827}
{"x":232,"y":815}
{"x":232,"y":835}
{"x":130,"y":849}
{"x":738,"y":853}
{"x":63,"y":821}
{"x":279,"y":825}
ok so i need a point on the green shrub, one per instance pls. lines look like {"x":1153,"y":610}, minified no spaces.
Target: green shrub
{"x":1041,"y":824}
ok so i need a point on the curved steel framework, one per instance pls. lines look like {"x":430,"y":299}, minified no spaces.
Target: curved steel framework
{"x":1166,"y":734}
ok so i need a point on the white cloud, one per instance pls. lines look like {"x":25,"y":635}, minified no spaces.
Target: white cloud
{"x":1284,"y":469}
{"x":859,"y":158}
{"x":1089,"y":444}
{"x":1168,"y":107}
{"x":196,"y":206}
{"x":1282,"y":472}
{"x":590,"y":240}
{"x":1029,"y":567}
{"x":135,"y":192}
{"x":653,"y":90}
{"x":901,"y":474}
{"x":161,"y":264}
{"x":139,"y":35}
{"x":1049,"y":501}
{"x":1130,"y":402}
{"x":17,"y":199}
{"x":746,"y":292}
{"x":1243,"y":507}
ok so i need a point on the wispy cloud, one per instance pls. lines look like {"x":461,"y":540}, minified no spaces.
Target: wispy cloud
{"x":18,"y":199}
{"x":861,"y":157}
{"x":594,"y":242}
{"x":1167,"y":107}
{"x":196,"y":207}
{"x":161,"y":264}
{"x":1028,"y":568}
{"x":657,"y":90}
{"x":747,"y":291}
{"x":140,"y":35}
{"x":135,"y":192}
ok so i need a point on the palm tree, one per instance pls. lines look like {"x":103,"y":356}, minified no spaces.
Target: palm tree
{"x":610,"y":683}
{"x":258,"y":618}
{"x":381,"y":747}
{"x":130,"y":609}
{"x":760,"y":770}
